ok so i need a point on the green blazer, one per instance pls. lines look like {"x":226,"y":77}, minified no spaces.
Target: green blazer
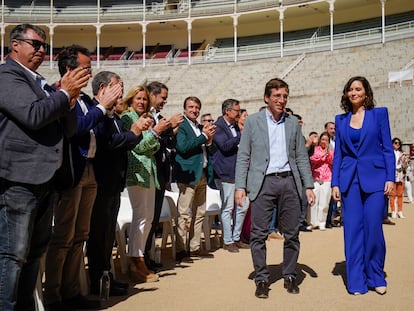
{"x":189,"y":159}
{"x":141,"y":160}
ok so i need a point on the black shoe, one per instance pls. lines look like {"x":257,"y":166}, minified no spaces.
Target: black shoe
{"x":118,"y":291}
{"x":152,"y":265}
{"x":82,"y":303}
{"x":183,"y":256}
{"x":58,"y":306}
{"x":262,"y":289}
{"x":304,"y":228}
{"x":119,"y":284}
{"x":328,"y":226}
{"x":291,"y":285}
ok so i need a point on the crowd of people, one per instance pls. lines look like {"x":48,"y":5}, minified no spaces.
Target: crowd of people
{"x":68,"y":156}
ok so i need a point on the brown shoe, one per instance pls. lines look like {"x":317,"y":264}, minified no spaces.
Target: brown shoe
{"x":139,"y":271}
{"x":388,"y":221}
{"x":240,"y":244}
{"x":232,"y":248}
{"x":201,"y":254}
{"x":275,"y":235}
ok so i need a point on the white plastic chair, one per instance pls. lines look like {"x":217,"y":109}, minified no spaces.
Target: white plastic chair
{"x":168,"y":218}
{"x":123,"y":223}
{"x":213,"y":208}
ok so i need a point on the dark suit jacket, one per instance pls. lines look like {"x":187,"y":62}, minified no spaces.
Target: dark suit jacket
{"x":224,"y":159}
{"x":189,"y":159}
{"x":165,"y":158}
{"x":373,"y":161}
{"x":80,"y":141}
{"x":254,"y":153}
{"x":111,"y":159}
{"x":31,"y":126}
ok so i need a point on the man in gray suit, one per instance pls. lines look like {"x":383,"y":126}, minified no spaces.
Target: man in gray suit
{"x":272,"y":167}
{"x":33,"y":121}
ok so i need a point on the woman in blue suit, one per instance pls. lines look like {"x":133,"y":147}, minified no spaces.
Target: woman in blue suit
{"x":363,"y":173}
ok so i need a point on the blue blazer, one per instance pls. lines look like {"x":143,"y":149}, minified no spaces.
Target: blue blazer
{"x":224,"y":159}
{"x":80,"y":141}
{"x":373,"y":162}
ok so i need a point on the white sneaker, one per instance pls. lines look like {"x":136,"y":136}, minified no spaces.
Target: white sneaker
{"x":322,"y":227}
{"x":400,"y":215}
{"x":394,"y":215}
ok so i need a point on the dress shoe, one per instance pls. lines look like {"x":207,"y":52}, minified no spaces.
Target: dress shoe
{"x":291,"y":285}
{"x":242,"y":245}
{"x":119,"y":284}
{"x":201,"y":254}
{"x":327,"y":226}
{"x":304,"y":228}
{"x":262,"y":289}
{"x":183,"y":256}
{"x":152,"y":265}
{"x":117,"y":291}
{"x":58,"y":306}
{"x":388,"y":221}
{"x":82,"y":303}
{"x":232,"y":248}
{"x":275,"y":235}
{"x":382,"y":290}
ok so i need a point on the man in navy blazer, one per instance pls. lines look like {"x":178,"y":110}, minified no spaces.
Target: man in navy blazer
{"x":32,"y":125}
{"x":72,"y":214}
{"x":226,"y":141}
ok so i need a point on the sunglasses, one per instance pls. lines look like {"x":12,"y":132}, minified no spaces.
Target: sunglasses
{"x":397,"y":142}
{"x":36,"y":44}
{"x":208,"y":120}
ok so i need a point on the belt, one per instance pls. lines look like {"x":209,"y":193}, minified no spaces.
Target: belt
{"x":281,"y":174}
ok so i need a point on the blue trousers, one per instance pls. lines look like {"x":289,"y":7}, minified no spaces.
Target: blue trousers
{"x":364,"y":238}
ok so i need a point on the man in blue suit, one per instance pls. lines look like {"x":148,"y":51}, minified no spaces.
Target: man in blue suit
{"x":72,"y":214}
{"x":33,"y":123}
{"x":272,"y":167}
{"x":192,"y":171}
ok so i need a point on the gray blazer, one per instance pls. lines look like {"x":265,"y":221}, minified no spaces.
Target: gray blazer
{"x":253,"y":155}
{"x":31,"y":126}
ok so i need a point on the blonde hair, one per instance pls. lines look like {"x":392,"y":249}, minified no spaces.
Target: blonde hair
{"x":134,"y":91}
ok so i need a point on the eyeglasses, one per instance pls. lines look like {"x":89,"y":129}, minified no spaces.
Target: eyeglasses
{"x":208,"y":120}
{"x":237,"y":110}
{"x":36,"y":44}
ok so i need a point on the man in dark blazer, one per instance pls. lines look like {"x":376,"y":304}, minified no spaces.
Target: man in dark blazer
{"x":111,"y":160}
{"x":158,"y":94}
{"x":192,"y":171}
{"x":226,"y":141}
{"x":72,"y":213}
{"x":32,"y":125}
{"x":272,"y":165}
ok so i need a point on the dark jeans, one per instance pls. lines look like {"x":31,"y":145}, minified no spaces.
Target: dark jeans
{"x":282,"y":193}
{"x":102,"y":235}
{"x":25,"y":230}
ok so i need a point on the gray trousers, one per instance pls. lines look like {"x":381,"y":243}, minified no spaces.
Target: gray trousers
{"x":282,"y":193}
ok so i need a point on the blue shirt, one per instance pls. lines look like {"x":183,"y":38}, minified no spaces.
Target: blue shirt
{"x":278,"y":161}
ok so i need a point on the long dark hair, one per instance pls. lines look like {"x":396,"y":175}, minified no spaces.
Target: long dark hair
{"x":369,"y":102}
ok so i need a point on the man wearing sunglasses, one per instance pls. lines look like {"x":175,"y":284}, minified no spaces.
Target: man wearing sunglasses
{"x":33,"y":123}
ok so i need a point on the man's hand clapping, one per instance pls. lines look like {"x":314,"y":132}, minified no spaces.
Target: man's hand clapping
{"x":73,"y":81}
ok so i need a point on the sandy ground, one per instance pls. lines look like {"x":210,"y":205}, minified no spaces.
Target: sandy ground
{"x":223,"y":282}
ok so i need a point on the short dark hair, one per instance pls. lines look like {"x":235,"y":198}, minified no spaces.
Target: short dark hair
{"x":103,"y":77}
{"x":369,"y":102}
{"x":228,"y":104}
{"x":275,"y":83}
{"x":205,"y":115}
{"x":68,"y":57}
{"x":156,"y":87}
{"x":327,"y":123}
{"x":194,"y":99}
{"x":19,"y":31}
